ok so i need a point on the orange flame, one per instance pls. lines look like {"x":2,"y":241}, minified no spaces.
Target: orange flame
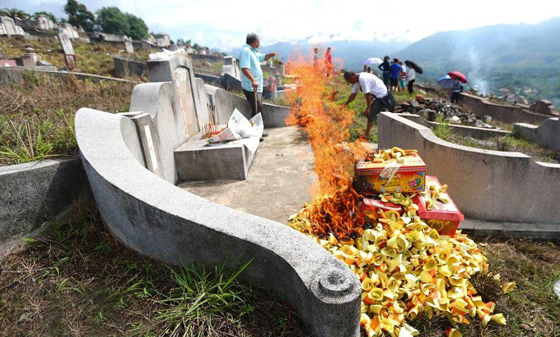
{"x":327,"y":124}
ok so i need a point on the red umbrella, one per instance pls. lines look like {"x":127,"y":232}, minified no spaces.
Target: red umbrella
{"x":459,"y":75}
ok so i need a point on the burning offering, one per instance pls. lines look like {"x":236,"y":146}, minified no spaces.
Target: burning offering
{"x":394,"y":170}
{"x":395,"y":228}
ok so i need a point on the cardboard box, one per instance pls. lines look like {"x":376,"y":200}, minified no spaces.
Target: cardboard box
{"x":391,"y":176}
{"x":445,"y":217}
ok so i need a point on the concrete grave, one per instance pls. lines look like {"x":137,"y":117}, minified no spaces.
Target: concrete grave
{"x":129,"y":47}
{"x":192,"y":160}
{"x":69,"y":30}
{"x":485,"y":185}
{"x":9,"y":26}
{"x":546,"y":134}
{"x":66,"y":43}
{"x":231,"y":67}
{"x":153,"y":216}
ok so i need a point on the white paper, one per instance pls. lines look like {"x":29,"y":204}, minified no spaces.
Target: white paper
{"x":240,"y":128}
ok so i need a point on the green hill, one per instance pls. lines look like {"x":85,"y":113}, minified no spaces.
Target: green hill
{"x":517,"y":57}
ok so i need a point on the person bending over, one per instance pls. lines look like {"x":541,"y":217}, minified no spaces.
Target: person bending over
{"x":376,"y":93}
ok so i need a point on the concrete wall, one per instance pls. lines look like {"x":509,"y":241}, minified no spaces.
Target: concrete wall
{"x":125,"y":67}
{"x":212,"y":58}
{"x":547,"y":134}
{"x":35,"y":192}
{"x":208,"y":78}
{"x":158,"y":219}
{"x":486,"y":185}
{"x":462,"y":130}
{"x":504,"y":113}
{"x":274,"y":116}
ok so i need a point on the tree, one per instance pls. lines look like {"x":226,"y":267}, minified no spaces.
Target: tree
{"x":183,"y":42}
{"x":79,"y":15}
{"x":14,"y":13}
{"x":48,"y":14}
{"x":137,"y":28}
{"x":112,"y":20}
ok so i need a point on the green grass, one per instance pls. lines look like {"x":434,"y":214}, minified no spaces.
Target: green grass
{"x":77,"y":280}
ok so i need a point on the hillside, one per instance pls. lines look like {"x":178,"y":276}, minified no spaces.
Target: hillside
{"x":518,"y":57}
{"x":519,"y":45}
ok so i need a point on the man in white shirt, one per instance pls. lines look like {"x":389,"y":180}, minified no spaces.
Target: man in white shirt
{"x":376,"y":93}
{"x":411,"y":77}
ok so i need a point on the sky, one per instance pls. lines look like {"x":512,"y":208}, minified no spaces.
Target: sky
{"x":222,"y":25}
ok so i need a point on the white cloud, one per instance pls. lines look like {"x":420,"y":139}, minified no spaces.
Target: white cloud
{"x":224,"y":23}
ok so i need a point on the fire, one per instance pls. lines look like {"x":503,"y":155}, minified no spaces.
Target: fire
{"x":328,"y":127}
{"x":406,"y":269}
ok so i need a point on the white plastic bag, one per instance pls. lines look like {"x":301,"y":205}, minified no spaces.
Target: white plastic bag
{"x":167,"y":54}
{"x":239,"y":127}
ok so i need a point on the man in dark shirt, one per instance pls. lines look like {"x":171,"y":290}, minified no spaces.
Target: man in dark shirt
{"x":385,"y":67}
{"x":395,"y":74}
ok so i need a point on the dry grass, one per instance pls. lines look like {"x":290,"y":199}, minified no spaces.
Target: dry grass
{"x":37,"y":117}
{"x":79,"y":281}
{"x":94,"y":59}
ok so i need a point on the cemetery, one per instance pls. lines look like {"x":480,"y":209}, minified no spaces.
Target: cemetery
{"x":125,"y":157}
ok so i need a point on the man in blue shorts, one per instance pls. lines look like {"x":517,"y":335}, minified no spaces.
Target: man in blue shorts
{"x":395,"y":75}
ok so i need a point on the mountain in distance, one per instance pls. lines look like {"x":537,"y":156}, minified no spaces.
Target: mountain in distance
{"x":351,"y":53}
{"x":523,"y":58}
{"x":511,"y":44}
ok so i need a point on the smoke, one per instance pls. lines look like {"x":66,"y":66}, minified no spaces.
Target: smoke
{"x":475,"y":76}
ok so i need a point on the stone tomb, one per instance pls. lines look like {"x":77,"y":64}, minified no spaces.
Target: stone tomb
{"x":192,"y":158}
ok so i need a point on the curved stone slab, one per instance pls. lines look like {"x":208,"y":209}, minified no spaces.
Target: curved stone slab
{"x":158,"y":219}
{"x":485,"y":185}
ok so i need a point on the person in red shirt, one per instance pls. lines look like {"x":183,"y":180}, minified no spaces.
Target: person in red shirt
{"x":328,"y":62}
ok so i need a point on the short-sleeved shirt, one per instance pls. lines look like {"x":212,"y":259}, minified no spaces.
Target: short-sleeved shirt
{"x":250,"y":58}
{"x":395,"y":70}
{"x":411,"y":74}
{"x":369,"y":83}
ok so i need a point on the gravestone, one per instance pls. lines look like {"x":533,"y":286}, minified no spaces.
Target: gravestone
{"x":3,"y":29}
{"x":183,"y":86}
{"x":69,"y":56}
{"x":129,"y":47}
{"x":9,"y":25}
{"x":66,"y":44}
{"x":230,"y":67}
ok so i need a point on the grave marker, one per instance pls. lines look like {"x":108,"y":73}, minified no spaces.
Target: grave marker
{"x":69,"y":56}
{"x":129,"y":47}
{"x":186,"y":102}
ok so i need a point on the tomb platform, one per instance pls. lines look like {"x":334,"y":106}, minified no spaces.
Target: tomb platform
{"x":196,"y":160}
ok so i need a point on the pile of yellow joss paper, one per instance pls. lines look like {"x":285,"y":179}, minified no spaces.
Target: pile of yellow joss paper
{"x":407,"y":270}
